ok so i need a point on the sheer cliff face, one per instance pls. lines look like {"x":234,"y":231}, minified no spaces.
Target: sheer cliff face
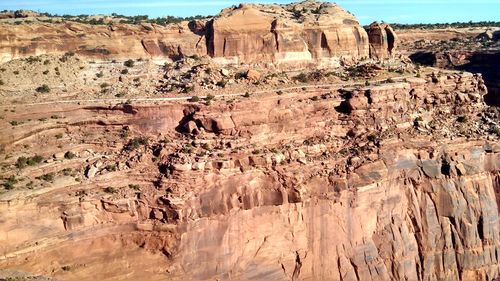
{"x":251,"y":34}
{"x":383,"y":41}
{"x":291,"y":35}
{"x":335,"y":184}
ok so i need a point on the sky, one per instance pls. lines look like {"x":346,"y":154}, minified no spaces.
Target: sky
{"x":367,"y":11}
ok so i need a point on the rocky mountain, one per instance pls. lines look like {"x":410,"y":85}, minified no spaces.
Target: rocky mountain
{"x":309,"y":32}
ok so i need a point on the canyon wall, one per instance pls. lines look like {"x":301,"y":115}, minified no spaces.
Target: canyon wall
{"x":296,"y":34}
{"x":378,"y":182}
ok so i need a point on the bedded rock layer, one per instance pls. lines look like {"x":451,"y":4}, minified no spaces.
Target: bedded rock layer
{"x":378,"y":182}
{"x":295,"y":34}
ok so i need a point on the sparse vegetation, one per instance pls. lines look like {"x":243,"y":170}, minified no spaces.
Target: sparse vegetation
{"x":221,"y":83}
{"x":188,"y":149}
{"x":129,"y":63}
{"x":110,"y":189}
{"x":10,"y":182}
{"x":46,"y":177}
{"x":134,"y":187}
{"x":111,"y":168}
{"x":209,"y":97}
{"x":43,"y":89}
{"x":302,"y":77}
{"x":69,"y":155}
{"x":23,"y":162}
{"x":135,"y":143}
{"x":446,"y":25}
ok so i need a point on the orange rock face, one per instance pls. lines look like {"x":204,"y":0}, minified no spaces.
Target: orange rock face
{"x":250,"y":34}
{"x":291,"y":35}
{"x":356,"y":183}
{"x":383,"y":41}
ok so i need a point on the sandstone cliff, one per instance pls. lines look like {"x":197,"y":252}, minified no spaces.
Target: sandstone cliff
{"x":383,"y":40}
{"x":360,"y":183}
{"x":296,"y":34}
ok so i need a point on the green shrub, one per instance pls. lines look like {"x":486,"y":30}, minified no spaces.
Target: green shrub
{"x":45,"y":72}
{"x":100,"y":74}
{"x":2,"y":83}
{"x":10,"y":183}
{"x":135,"y":143}
{"x":134,"y":187}
{"x":221,"y":83}
{"x":22,"y":161}
{"x":209,"y":97}
{"x":188,"y":149}
{"x":59,"y":136}
{"x":14,"y":123}
{"x":104,"y":85}
{"x":304,"y":78}
{"x":246,"y":95}
{"x":69,"y":155}
{"x":194,"y":99}
{"x":66,"y":268}
{"x":46,"y":177}
{"x":111,"y":168}
{"x":43,"y":89}
{"x":16,"y":72}
{"x":462,"y":119}
{"x":46,"y":62}
{"x":129,"y":63}
{"x":110,"y":189}
{"x":124,"y":71}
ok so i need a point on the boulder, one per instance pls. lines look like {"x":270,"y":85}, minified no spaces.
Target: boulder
{"x":252,"y":74}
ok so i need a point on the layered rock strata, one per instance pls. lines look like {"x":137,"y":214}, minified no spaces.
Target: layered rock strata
{"x":360,"y":183}
{"x":383,"y":40}
{"x":295,"y":34}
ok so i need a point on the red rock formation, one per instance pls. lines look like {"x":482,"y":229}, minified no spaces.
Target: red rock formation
{"x":251,"y":34}
{"x":295,"y":35}
{"x":359,"y":184}
{"x":383,"y":40}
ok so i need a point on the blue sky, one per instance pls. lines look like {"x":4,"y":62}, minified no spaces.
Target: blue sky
{"x":401,"y":11}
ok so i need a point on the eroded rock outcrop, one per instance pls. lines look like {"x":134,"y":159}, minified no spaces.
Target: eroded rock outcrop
{"x":383,"y":40}
{"x":302,"y":32}
{"x":295,"y":34}
{"x":370,"y":182}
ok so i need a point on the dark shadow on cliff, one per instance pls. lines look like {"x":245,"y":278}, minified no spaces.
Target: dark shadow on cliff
{"x":488,"y":64}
